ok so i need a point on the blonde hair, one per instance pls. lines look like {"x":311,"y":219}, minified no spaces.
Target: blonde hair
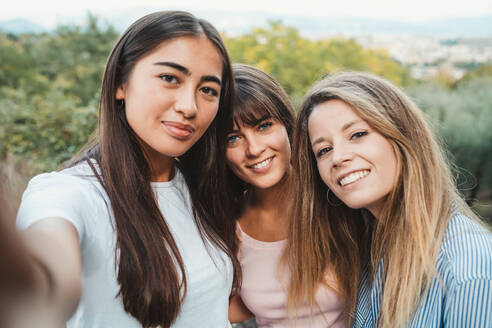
{"x":407,"y":235}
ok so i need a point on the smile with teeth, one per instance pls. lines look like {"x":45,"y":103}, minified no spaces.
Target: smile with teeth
{"x":261,"y":164}
{"x":354,"y":176}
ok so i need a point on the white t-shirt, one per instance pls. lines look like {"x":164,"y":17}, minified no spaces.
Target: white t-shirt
{"x":76,"y":195}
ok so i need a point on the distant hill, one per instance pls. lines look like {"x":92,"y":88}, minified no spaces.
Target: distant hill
{"x":316,"y":27}
{"x":20,"y":26}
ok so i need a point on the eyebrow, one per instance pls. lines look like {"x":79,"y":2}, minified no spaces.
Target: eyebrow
{"x":349,"y":124}
{"x":318,"y":140}
{"x":263,"y":118}
{"x":344,"y":127}
{"x":184,"y":70}
{"x":211,"y":78}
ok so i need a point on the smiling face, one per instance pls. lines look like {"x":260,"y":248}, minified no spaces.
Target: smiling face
{"x":356,"y":162}
{"x":259,"y":154}
{"x":172,"y":95}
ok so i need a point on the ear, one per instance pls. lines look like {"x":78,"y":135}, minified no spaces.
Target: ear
{"x":120,"y":93}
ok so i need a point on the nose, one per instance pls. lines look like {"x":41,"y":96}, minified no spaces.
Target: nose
{"x":254,"y":146}
{"x":185,"y":103}
{"x":341,"y":155}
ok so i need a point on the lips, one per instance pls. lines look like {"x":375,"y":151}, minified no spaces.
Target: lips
{"x":262,"y":165}
{"x":352,"y":177}
{"x":178,"y":130}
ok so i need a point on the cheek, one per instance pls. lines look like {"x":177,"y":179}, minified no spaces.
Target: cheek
{"x":208,"y":113}
{"x":134,"y":120}
{"x":285,"y":146}
{"x":324,"y":173}
{"x":389,"y":161}
{"x":232,"y":158}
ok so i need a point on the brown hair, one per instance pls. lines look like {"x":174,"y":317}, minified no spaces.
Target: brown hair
{"x":151,"y":272}
{"x":257,"y":96}
{"x":410,"y":228}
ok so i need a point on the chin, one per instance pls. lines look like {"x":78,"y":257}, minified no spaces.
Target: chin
{"x":267,"y":184}
{"x":174,"y":152}
{"x":355,"y":205}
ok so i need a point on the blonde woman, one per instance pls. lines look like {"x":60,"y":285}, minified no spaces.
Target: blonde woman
{"x":377,"y":204}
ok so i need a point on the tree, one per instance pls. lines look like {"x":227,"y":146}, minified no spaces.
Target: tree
{"x":297,"y":62}
{"x":463,"y":118}
{"x":49,"y":91}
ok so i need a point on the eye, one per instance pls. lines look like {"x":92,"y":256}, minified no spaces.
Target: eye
{"x":358,"y":135}
{"x":169,"y":78}
{"x":232,"y":138}
{"x":322,"y":151}
{"x":264,"y":125}
{"x":210,"y":91}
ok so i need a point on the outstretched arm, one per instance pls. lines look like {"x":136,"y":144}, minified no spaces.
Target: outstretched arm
{"x":56,"y":260}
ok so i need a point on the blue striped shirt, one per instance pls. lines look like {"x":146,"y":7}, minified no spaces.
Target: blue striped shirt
{"x":463,"y":298}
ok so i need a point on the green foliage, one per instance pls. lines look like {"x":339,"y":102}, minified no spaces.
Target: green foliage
{"x":282,"y":52}
{"x":49,"y":83}
{"x":15,"y":63}
{"x":45,"y":129}
{"x":463,"y":119}
{"x":480,"y":71}
{"x":297,"y":62}
{"x":49,"y":91}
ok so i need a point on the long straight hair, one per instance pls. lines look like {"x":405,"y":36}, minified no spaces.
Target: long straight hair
{"x":409,"y":233}
{"x":151,"y":272}
{"x":257,"y":96}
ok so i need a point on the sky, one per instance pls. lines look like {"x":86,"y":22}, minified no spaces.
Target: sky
{"x":52,"y":12}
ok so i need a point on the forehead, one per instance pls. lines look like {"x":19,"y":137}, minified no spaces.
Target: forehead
{"x":189,"y":51}
{"x":332,"y":114}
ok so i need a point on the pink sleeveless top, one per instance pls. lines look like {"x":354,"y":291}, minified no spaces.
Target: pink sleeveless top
{"x":265,"y":295}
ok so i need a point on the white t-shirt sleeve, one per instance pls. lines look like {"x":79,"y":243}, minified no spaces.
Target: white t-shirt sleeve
{"x":55,"y":195}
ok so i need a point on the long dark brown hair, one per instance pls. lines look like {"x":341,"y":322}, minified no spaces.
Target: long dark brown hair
{"x":257,"y":96}
{"x":151,"y":272}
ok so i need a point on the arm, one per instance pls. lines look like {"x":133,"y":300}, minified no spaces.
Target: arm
{"x":56,"y":258}
{"x":238,"y":311}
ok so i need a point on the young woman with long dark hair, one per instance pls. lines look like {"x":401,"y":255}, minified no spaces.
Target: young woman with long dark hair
{"x":132,"y":233}
{"x":258,"y":155}
{"x":377,"y":204}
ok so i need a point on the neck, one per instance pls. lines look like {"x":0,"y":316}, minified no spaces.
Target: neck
{"x":163,"y":171}
{"x":161,"y":166}
{"x":377,"y":208}
{"x":274,"y":199}
{"x":267,"y":212}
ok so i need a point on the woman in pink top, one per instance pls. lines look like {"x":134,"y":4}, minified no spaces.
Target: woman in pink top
{"x":258,"y":154}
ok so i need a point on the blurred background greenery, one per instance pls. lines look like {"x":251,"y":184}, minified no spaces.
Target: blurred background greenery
{"x":49,"y":92}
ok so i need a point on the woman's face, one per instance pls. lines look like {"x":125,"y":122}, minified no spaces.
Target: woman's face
{"x":356,"y":162}
{"x":172,"y":95}
{"x":260,"y":154}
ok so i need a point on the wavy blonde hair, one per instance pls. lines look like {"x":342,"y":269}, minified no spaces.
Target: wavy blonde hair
{"x":408,"y":235}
